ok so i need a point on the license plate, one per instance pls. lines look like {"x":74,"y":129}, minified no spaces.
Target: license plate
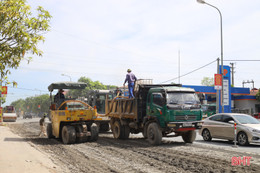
{"x":187,"y":124}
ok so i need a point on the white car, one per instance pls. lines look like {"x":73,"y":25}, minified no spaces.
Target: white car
{"x":222,"y":126}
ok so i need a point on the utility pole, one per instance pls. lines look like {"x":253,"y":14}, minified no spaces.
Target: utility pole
{"x":244,"y":82}
{"x":232,"y":74}
{"x":179,"y":71}
{"x":217,"y":94}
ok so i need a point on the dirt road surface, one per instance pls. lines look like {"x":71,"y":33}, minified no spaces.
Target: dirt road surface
{"x":134,"y":155}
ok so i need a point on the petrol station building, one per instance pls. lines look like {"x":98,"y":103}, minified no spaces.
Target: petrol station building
{"x":235,"y":99}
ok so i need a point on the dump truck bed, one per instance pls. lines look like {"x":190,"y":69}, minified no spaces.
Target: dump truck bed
{"x":122,"y":108}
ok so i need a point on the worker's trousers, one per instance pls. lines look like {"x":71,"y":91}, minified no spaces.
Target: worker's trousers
{"x":131,"y":89}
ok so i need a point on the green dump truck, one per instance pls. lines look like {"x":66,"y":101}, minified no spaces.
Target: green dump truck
{"x":157,"y":111}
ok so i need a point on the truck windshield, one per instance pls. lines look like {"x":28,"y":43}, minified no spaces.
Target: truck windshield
{"x":176,"y":98}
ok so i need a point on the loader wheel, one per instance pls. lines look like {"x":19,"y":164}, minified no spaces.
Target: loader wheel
{"x":80,"y":139}
{"x":154,"y":134}
{"x":189,"y":137}
{"x":68,"y":135}
{"x":94,"y":133}
{"x":49,"y":131}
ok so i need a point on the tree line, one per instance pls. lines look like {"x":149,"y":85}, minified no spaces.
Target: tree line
{"x":41,"y":103}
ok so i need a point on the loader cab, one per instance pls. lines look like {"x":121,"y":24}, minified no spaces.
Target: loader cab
{"x":98,"y":97}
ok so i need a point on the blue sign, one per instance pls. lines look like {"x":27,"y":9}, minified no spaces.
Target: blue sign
{"x":226,"y":90}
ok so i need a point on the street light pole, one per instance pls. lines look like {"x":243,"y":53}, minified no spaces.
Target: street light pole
{"x":221,"y":46}
{"x":66,"y":75}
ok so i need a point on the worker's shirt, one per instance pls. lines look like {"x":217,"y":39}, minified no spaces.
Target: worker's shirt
{"x":130,"y":78}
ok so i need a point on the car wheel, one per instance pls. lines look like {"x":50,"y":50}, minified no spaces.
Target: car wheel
{"x":242,"y":139}
{"x":206,"y":135}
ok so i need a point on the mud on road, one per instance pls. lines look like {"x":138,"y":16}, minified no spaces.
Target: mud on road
{"x":132,"y":155}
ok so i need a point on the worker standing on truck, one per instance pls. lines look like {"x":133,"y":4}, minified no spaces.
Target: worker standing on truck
{"x":42,"y":125}
{"x":130,"y":78}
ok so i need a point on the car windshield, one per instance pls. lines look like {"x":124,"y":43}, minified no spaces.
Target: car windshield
{"x":244,"y":119}
{"x":182,"y":98}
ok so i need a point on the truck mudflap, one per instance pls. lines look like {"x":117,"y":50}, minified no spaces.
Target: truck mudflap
{"x":187,"y":125}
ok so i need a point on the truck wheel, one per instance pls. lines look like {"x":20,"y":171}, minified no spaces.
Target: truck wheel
{"x":68,"y":134}
{"x":104,"y":127}
{"x":154,"y":134}
{"x":119,"y":131}
{"x":94,"y":133}
{"x":206,"y":135}
{"x":49,"y":131}
{"x":145,"y":130}
{"x":125,"y":132}
{"x":189,"y":136}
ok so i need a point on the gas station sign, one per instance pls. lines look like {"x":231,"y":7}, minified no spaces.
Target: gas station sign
{"x":218,"y":81}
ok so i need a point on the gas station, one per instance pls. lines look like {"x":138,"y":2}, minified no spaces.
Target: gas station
{"x":235,"y":99}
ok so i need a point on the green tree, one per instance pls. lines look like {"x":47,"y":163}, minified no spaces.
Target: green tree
{"x":91,"y":85}
{"x":207,"y":81}
{"x":20,"y":33}
{"x":30,"y":104}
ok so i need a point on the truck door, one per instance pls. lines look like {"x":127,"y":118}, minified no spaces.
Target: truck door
{"x":157,"y":102}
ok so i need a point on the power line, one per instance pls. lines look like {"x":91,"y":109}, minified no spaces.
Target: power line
{"x":190,"y":71}
{"x":28,"y":89}
{"x":243,"y":60}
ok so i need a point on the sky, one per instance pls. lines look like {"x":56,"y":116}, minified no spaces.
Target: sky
{"x":101,"y":39}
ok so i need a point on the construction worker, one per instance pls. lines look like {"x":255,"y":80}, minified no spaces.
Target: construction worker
{"x":42,"y":125}
{"x":59,"y":97}
{"x":130,"y":78}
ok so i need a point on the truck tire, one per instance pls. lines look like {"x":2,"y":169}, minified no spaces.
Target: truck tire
{"x":189,"y":137}
{"x":145,"y":130}
{"x":49,"y":131}
{"x":118,"y":130}
{"x":125,"y":132}
{"x":68,"y":134}
{"x":154,"y":134}
{"x":94,"y":133}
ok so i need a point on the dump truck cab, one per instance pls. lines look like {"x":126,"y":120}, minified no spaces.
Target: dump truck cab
{"x":71,"y":120}
{"x":174,"y":106}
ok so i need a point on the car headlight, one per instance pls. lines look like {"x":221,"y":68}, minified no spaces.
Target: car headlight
{"x":255,"y":131}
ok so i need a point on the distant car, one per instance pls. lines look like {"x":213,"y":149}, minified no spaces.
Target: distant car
{"x":27,"y":115}
{"x":222,"y":126}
